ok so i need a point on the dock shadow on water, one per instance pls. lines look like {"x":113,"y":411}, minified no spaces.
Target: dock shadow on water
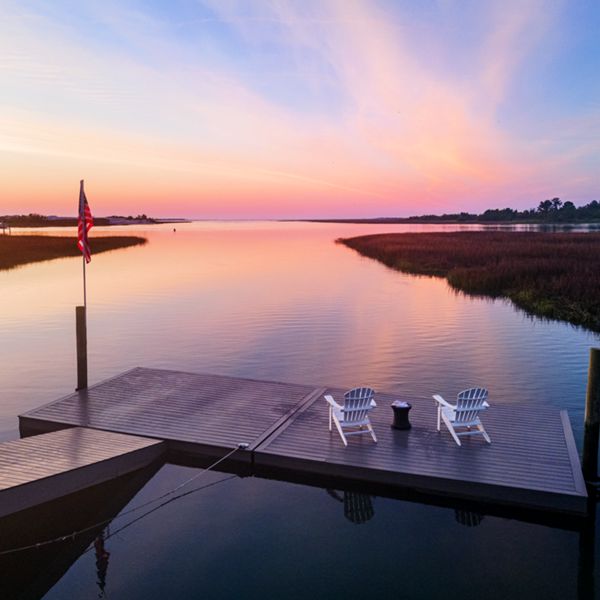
{"x":237,"y":543}
{"x":55,"y":534}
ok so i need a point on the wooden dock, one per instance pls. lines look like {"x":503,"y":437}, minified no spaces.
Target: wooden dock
{"x":39,"y":469}
{"x":532,"y":463}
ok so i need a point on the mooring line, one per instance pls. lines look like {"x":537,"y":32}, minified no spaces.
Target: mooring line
{"x":63,"y":538}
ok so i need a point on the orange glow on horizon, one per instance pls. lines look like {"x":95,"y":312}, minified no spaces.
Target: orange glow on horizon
{"x":358,"y":110}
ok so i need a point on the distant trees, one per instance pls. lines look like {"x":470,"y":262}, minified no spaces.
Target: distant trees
{"x":32,"y":219}
{"x":556,"y":210}
{"x":552,"y":210}
{"x":142,"y":217}
{"x":590,"y":211}
{"x":499,"y":214}
{"x":568,"y":211}
{"x":37,"y":220}
{"x":545,"y":207}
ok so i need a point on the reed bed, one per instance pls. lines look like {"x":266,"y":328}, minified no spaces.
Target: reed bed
{"x":550,"y":275}
{"x":17,"y":250}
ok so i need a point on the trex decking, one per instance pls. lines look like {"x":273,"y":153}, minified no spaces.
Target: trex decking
{"x":195,"y":413}
{"x":38,"y":469}
{"x":532,"y":462}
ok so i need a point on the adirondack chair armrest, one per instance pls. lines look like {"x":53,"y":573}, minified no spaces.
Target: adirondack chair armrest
{"x":440,"y":400}
{"x":329,"y":399}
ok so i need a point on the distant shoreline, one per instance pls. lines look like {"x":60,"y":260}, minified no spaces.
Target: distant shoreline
{"x":418,"y":221}
{"x":19,"y":250}
{"x":549,"y":275}
{"x":29,"y":221}
{"x":550,"y":212}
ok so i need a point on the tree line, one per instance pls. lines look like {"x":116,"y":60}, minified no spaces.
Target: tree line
{"x":37,"y":220}
{"x":548,"y":211}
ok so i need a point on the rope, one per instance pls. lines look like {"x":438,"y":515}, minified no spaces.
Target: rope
{"x":164,"y":504}
{"x":72,"y":535}
{"x":172,"y":491}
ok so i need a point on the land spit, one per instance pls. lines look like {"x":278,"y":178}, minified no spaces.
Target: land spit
{"x":551,"y":275}
{"x":18,"y":250}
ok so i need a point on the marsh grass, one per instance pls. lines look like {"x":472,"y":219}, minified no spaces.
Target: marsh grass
{"x":551,"y":275}
{"x":17,"y":250}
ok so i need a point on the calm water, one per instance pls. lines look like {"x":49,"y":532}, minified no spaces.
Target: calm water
{"x":282,"y":301}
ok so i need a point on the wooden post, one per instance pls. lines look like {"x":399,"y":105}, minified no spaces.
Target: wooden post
{"x":81,"y":331}
{"x":592,"y":419}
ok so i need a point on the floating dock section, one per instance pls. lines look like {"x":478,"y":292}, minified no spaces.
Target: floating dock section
{"x":45,"y":467}
{"x":531,"y":464}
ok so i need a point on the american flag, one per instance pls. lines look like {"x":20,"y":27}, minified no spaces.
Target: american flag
{"x":84,"y":224}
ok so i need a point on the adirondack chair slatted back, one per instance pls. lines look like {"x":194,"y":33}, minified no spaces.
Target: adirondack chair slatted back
{"x":357,"y":403}
{"x":469,"y":404}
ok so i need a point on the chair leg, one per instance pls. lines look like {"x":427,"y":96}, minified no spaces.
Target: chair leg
{"x":330,"y":413}
{"x":372,"y":433}
{"x":486,"y":437}
{"x":451,"y":430}
{"x":438,"y":417}
{"x":339,"y":428}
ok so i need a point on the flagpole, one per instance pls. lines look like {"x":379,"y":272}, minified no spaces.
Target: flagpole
{"x":84,"y":223}
{"x":84,"y":286}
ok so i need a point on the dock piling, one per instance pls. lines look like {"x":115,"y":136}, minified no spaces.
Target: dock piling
{"x":81,"y":332}
{"x":592,"y":419}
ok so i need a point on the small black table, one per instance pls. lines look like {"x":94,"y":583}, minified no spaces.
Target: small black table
{"x":401,"y":409}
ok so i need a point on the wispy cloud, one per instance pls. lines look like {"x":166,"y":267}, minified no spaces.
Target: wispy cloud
{"x":281,"y":108}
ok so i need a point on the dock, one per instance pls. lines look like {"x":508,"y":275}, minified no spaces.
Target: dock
{"x":46,"y":467}
{"x":532,"y":463}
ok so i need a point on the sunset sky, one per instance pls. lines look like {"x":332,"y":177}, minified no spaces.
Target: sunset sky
{"x":298,"y":108}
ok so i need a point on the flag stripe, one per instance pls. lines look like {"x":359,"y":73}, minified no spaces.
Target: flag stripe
{"x":84,"y":223}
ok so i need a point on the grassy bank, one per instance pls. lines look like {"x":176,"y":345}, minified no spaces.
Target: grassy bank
{"x":17,"y":250}
{"x":552,"y":275}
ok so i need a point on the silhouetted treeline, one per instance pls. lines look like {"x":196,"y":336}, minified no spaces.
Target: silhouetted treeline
{"x":37,"y":220}
{"x":548,"y":211}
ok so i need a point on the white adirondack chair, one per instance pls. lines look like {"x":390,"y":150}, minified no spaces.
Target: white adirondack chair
{"x":353,"y":417}
{"x":464,"y":415}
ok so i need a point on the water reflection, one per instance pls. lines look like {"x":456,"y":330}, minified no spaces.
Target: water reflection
{"x":102,"y":556}
{"x":358,"y":508}
{"x":188,"y":545}
{"x":277,"y":302}
{"x":282,"y":301}
{"x":468,"y":518}
{"x":47,"y":532}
